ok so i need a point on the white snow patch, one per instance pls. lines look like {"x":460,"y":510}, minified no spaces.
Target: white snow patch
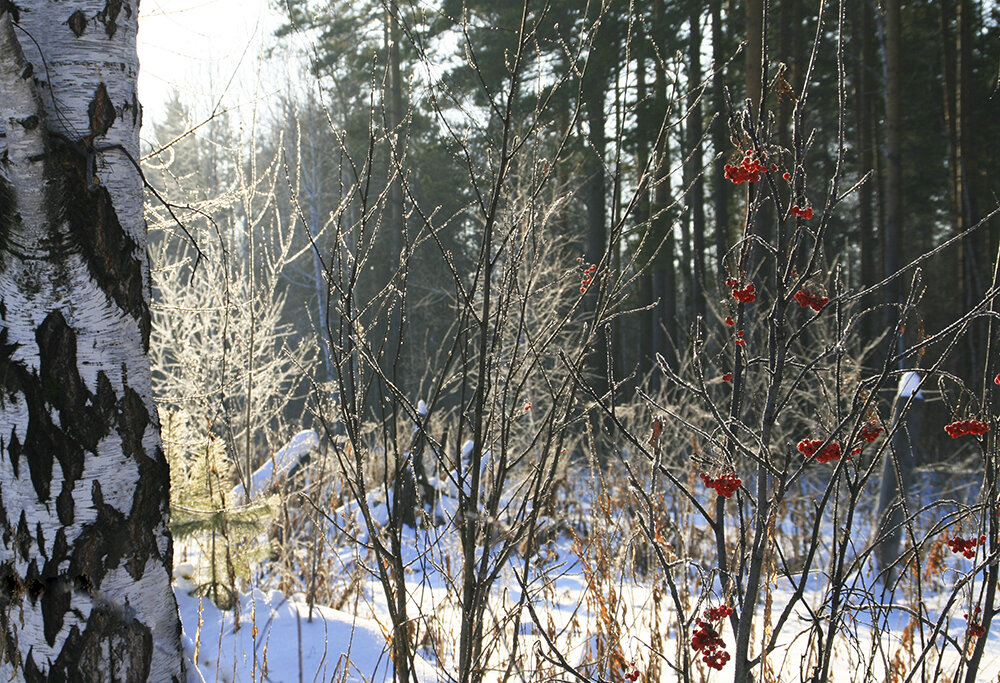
{"x":292,"y":642}
{"x":909,"y":382}
{"x":279,"y":464}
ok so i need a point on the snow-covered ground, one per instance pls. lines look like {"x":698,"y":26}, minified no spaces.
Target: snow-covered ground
{"x":589,"y":611}
{"x":278,"y":638}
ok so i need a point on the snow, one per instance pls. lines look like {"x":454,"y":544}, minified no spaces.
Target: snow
{"x":909,"y":382}
{"x":293,"y":643}
{"x":279,"y":464}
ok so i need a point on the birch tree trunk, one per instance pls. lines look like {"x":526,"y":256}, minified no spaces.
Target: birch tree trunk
{"x":85,"y":555}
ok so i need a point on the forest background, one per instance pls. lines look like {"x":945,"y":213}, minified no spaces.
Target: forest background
{"x":488,"y":246}
{"x":641,"y":106}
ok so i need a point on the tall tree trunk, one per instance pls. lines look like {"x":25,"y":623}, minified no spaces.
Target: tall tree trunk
{"x":644,"y":259}
{"x":404,"y":501}
{"x":85,"y":555}
{"x":665,"y":330}
{"x":863,"y":48}
{"x":893,"y":153}
{"x":964,"y":161}
{"x":594,"y":90}
{"x":754,"y":53}
{"x":720,"y":141}
{"x":761,"y":213}
{"x":695,"y":130}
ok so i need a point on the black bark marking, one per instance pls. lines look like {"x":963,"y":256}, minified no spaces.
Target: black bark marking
{"x":109,"y":15}
{"x":4,"y":526}
{"x":33,"y":585}
{"x":96,"y":233}
{"x":101,"y":545}
{"x":10,"y":585}
{"x":83,"y":421}
{"x":136,"y":109}
{"x":55,"y":603}
{"x":64,"y":504}
{"x":101,"y":111}
{"x":149,"y":504}
{"x":15,"y":11}
{"x":57,"y":587}
{"x":30,"y":122}
{"x":8,"y":213}
{"x":31,"y":671}
{"x":40,"y":540}
{"x":77,"y":23}
{"x":22,"y":537}
{"x":81,"y":427}
{"x":133,"y":423}
{"x":111,"y":638}
{"x":11,"y":592}
{"x":14,"y":451}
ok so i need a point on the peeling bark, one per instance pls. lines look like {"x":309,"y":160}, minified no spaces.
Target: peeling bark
{"x":85,"y":555}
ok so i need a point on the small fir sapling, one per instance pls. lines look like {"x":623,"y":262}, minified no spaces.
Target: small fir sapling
{"x":202,"y":509}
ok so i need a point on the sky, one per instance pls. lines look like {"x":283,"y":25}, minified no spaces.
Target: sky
{"x":207,"y":50}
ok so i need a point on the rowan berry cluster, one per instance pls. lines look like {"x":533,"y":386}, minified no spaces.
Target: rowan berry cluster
{"x":809,"y":448}
{"x":806,"y":213}
{"x":717,"y":613}
{"x":728,"y":377}
{"x":806,"y":299}
{"x":742,"y":294}
{"x":963,"y":427}
{"x":965,"y":546}
{"x":749,"y":169}
{"x":869,"y":433}
{"x":707,"y":639}
{"x":632,"y":675}
{"x":725,"y":485}
{"x":976,"y":629}
{"x":588,"y":277}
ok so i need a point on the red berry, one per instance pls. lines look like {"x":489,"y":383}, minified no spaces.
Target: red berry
{"x":963,"y":427}
{"x":809,"y":448}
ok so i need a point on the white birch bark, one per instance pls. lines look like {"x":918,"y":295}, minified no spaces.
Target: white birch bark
{"x":85,"y":555}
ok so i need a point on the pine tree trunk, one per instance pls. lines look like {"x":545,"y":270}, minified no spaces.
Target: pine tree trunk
{"x":754,"y":53}
{"x":720,"y":142}
{"x":85,"y":555}
{"x":864,"y":123}
{"x":695,"y":130}
{"x":644,"y":259}
{"x":665,"y":329}
{"x":894,"y":173}
{"x":964,"y":195}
